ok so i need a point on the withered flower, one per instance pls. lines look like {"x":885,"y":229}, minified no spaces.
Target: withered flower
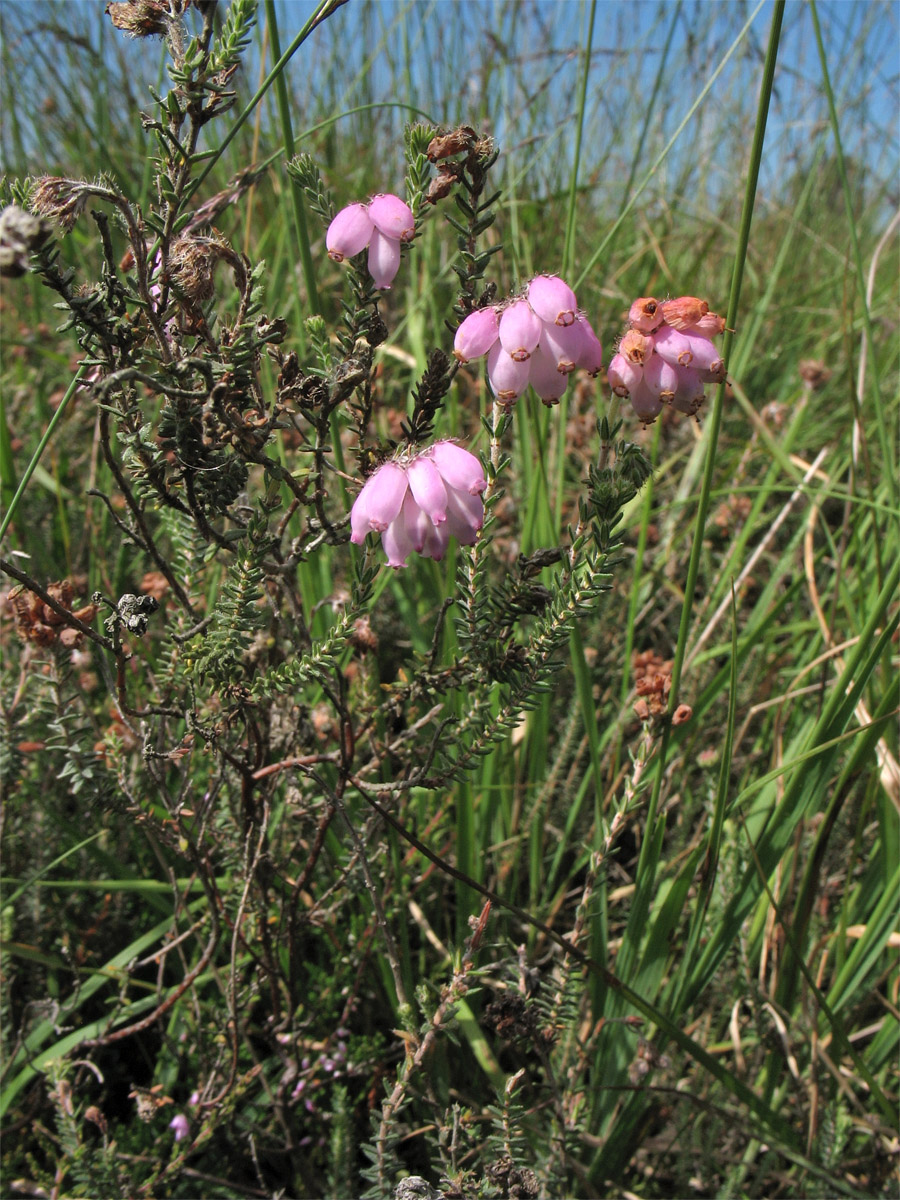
{"x":21,"y":234}
{"x":814,"y":373}
{"x":63,"y":200}
{"x":37,"y":622}
{"x":446,"y":144}
{"x":139,"y":18}
{"x":192,"y":262}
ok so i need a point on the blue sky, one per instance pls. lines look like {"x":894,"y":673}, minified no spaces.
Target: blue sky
{"x":514,"y":65}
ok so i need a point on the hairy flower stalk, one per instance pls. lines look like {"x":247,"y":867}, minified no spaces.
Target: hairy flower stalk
{"x":381,"y":225}
{"x":667,"y":356}
{"x":538,"y":338}
{"x":419,"y":502}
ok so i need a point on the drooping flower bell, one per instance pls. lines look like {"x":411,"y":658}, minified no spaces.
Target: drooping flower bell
{"x":667,"y":356}
{"x":180,"y":1126}
{"x":539,"y":338}
{"x":419,"y":502}
{"x":382,"y":225}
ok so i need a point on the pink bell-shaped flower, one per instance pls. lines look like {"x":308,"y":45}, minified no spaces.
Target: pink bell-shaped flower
{"x":507,"y":377}
{"x":590,"y":358}
{"x":538,"y":339}
{"x":381,"y":225}
{"x":623,"y":376}
{"x":392,"y":217}
{"x":552,"y":300}
{"x":180,"y":1126}
{"x":349,"y":233}
{"x":547,"y":381}
{"x":520,"y":330}
{"x":667,"y":355}
{"x":378,"y":503}
{"x":384,"y":259}
{"x":476,"y":335}
{"x":418,"y":503}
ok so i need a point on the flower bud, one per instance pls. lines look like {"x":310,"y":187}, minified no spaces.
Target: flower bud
{"x":180,"y":1126}
{"x":552,"y":300}
{"x":349,"y":233}
{"x":684,"y":311}
{"x":645,"y":315}
{"x":476,"y":335}
{"x":392,"y":217}
{"x":520,"y":330}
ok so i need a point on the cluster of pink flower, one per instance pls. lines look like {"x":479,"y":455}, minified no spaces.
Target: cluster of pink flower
{"x":538,"y":339}
{"x":667,"y":356}
{"x":382,"y":225}
{"x":418,"y":503}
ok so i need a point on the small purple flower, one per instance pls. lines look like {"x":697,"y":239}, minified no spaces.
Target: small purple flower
{"x":181,"y":1127}
{"x":382,"y":225}
{"x":418,"y":503}
{"x":540,"y":338}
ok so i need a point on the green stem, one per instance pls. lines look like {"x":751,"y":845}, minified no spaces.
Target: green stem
{"x":42,"y":446}
{"x":322,"y":10}
{"x":592,"y":261}
{"x":284,"y":111}
{"x":890,"y":475}
{"x":569,"y":244}
{"x":646,"y":863}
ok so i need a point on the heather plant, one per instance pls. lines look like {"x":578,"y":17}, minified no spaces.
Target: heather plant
{"x":392,"y":806}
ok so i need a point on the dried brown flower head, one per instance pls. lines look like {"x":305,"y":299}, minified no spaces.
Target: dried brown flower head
{"x":635,"y":347}
{"x":37,"y":622}
{"x":454,"y":142}
{"x":814,"y":373}
{"x":63,"y":200}
{"x":192,"y":261}
{"x":21,"y":233}
{"x":684,"y":312}
{"x":140,"y":18}
{"x":652,"y":682}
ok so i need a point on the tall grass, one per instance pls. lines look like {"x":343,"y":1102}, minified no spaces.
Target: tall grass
{"x":726,"y":1022}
